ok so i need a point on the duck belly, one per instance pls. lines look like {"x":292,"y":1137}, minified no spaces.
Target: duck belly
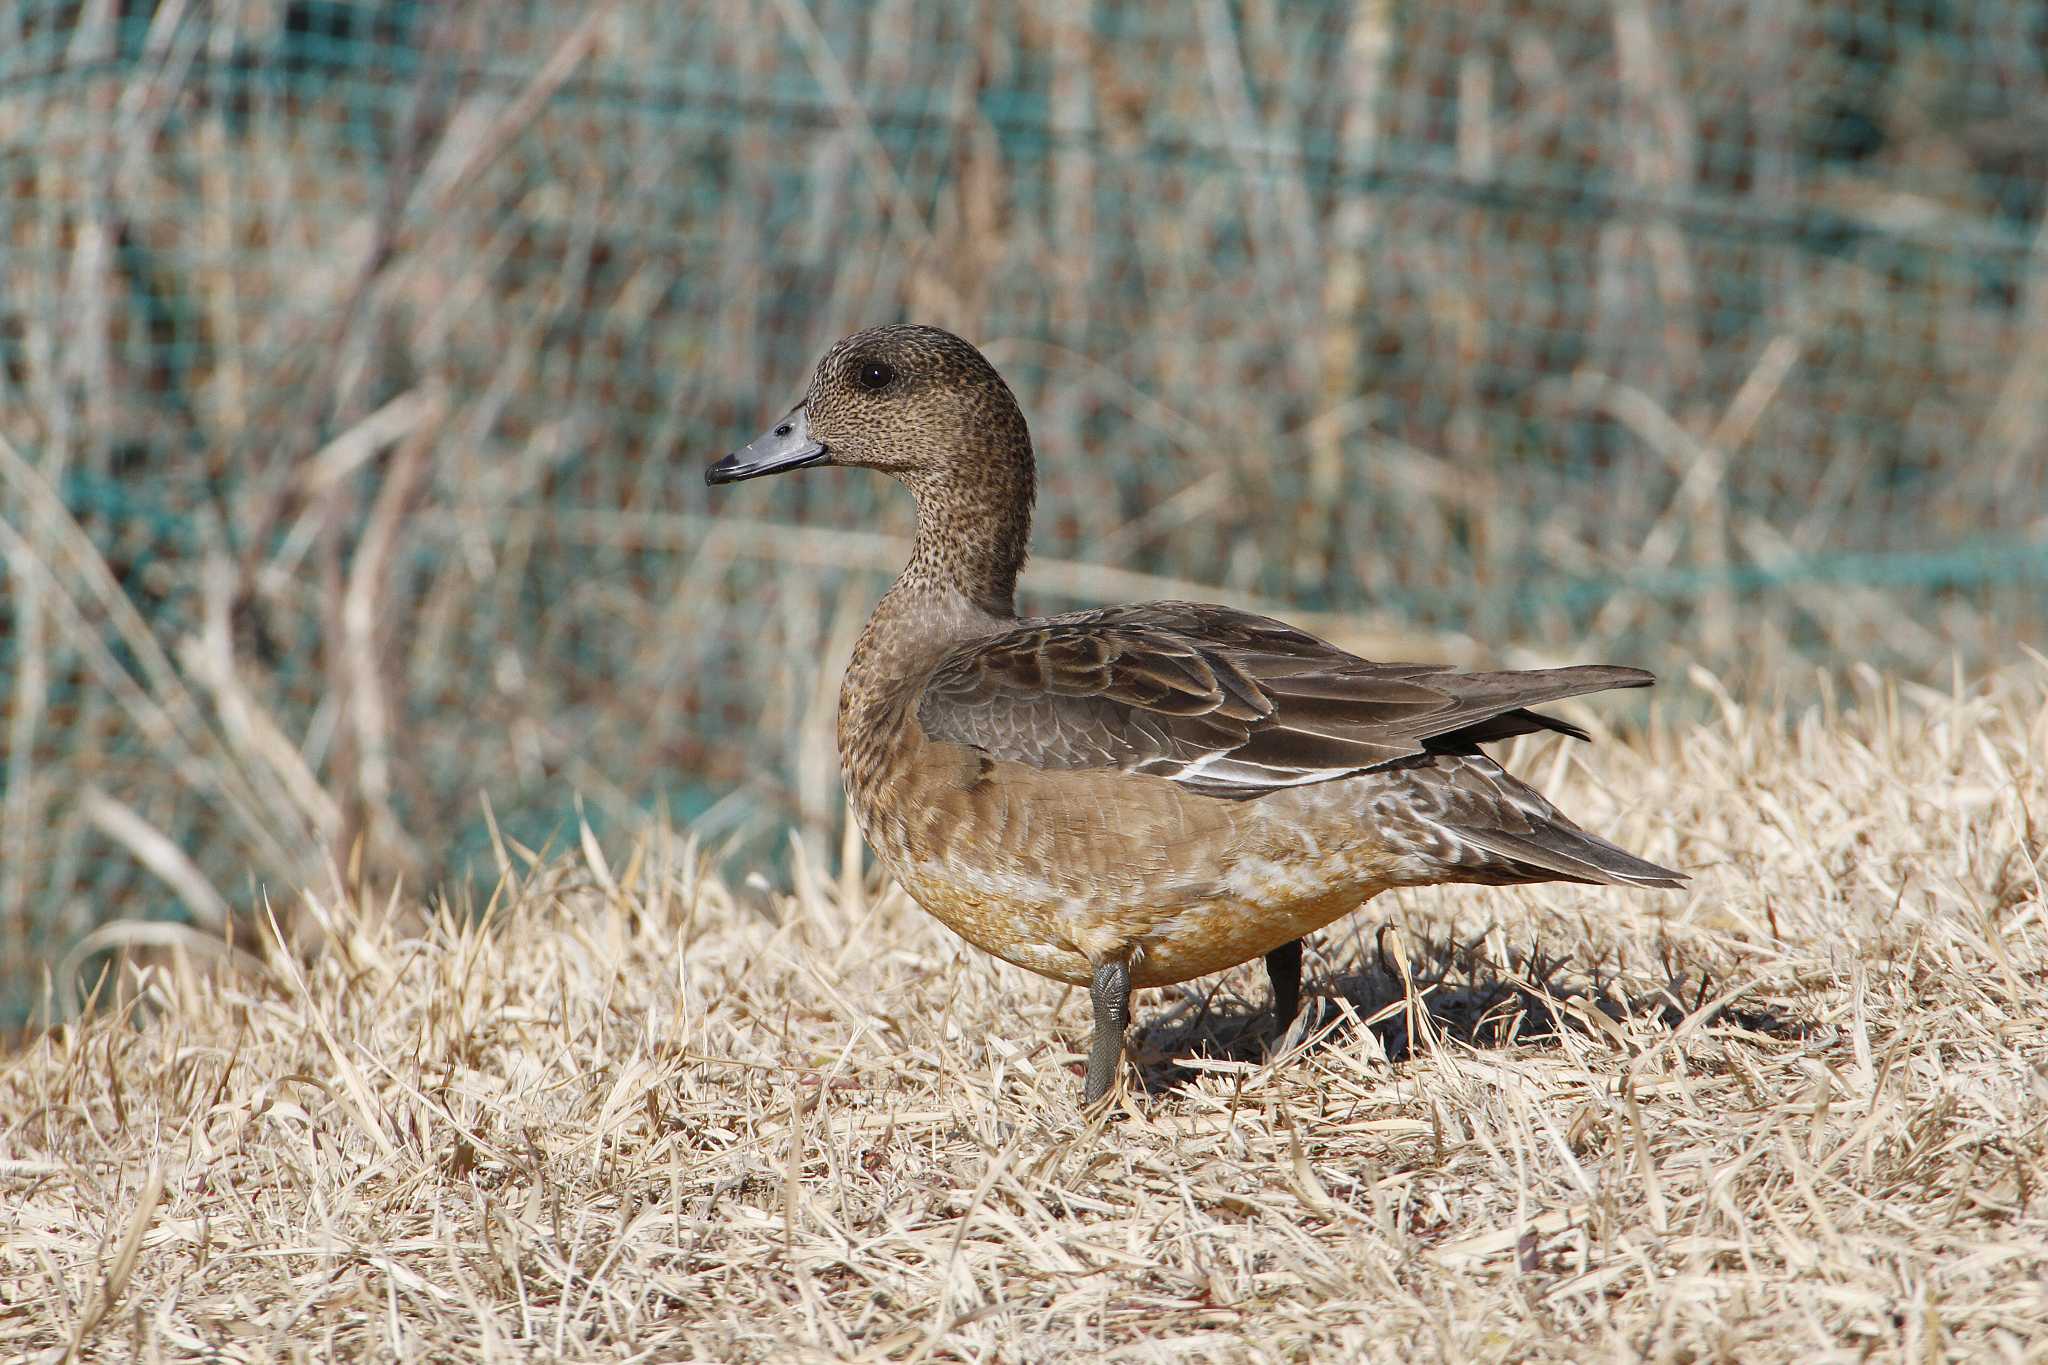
{"x":1165,"y":937}
{"x":1045,"y":875}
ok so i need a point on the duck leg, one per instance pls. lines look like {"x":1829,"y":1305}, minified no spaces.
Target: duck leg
{"x":1111,"y":992}
{"x":1283,"y":966}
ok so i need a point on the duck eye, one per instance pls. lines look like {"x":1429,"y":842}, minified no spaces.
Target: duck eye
{"x":874,"y":375}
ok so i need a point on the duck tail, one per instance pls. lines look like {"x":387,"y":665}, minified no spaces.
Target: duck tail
{"x":1501,"y":830}
{"x":1561,"y":851}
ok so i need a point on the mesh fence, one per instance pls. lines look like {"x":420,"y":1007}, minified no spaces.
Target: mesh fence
{"x":358,"y":362}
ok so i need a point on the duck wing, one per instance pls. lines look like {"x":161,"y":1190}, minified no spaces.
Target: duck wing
{"x":1223,"y":702}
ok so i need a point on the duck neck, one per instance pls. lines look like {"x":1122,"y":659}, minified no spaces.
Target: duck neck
{"x":960,"y":583}
{"x":972,"y":537}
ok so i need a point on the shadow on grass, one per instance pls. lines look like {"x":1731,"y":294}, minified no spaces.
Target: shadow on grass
{"x":1469,"y":998}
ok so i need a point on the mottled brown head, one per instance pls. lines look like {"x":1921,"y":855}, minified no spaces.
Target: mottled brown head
{"x":926,"y":407}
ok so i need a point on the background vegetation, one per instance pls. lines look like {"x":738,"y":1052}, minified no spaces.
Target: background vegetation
{"x":357,"y":362}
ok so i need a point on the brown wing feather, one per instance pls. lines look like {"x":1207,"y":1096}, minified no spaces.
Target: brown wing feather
{"x":1226,"y":703}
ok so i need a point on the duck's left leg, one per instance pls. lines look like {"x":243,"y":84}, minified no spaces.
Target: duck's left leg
{"x":1283,"y":967}
{"x":1111,"y":992}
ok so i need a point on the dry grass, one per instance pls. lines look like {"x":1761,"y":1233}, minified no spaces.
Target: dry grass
{"x":633,"y":1111}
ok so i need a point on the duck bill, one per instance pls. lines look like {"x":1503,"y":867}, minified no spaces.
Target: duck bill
{"x":786,"y":445}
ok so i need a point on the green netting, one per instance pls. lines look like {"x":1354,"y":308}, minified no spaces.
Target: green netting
{"x":375,"y":349}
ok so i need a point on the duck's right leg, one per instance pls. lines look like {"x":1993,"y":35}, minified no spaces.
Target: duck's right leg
{"x":1283,"y":967}
{"x":1111,"y":993}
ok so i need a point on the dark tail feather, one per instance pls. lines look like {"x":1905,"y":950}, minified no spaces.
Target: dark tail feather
{"x":1501,"y":701}
{"x":1505,"y":726}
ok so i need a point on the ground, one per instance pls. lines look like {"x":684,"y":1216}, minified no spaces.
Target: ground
{"x":631,"y":1110}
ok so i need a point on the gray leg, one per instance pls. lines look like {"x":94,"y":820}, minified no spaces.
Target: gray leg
{"x":1111,"y":992}
{"x":1283,"y":965}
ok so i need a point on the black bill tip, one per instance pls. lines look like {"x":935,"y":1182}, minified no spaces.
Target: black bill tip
{"x":785,"y":446}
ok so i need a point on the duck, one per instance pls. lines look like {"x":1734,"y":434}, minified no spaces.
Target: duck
{"x":1135,"y":796}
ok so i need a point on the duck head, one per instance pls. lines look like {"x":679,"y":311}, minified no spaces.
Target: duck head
{"x":914,"y":402}
{"x":926,"y":408}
